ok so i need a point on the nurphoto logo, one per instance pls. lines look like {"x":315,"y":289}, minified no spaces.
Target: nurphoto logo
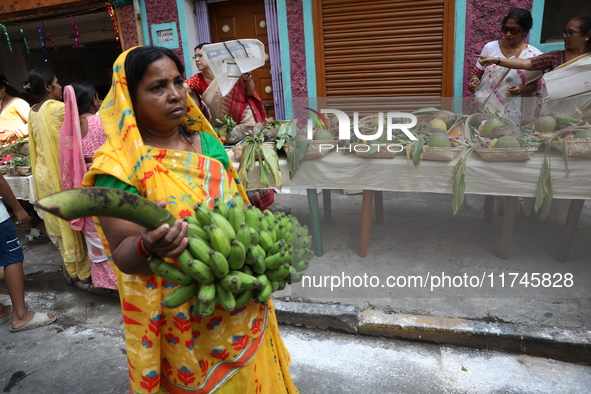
{"x":392,"y":123}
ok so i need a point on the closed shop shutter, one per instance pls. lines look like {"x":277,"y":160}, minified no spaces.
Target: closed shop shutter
{"x":384,"y":48}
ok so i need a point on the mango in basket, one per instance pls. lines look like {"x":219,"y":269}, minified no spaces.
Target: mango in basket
{"x":438,"y":124}
{"x":583,"y":134}
{"x":545,"y":124}
{"x":507,"y":142}
{"x":438,"y":140}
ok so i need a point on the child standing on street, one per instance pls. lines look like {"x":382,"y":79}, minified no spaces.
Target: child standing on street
{"x":11,"y":259}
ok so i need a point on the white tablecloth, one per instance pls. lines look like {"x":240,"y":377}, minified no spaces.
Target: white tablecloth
{"x":520,"y":179}
{"x":22,"y":187}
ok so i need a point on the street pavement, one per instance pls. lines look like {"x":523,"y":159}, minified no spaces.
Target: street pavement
{"x":83,"y":352}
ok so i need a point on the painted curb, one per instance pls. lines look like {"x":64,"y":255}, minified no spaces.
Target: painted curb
{"x":323,"y":316}
{"x":559,"y":344}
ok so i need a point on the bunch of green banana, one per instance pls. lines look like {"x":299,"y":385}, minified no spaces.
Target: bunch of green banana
{"x":234,"y":254}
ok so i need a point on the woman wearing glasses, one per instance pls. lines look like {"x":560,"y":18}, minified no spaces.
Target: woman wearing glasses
{"x":567,"y":72}
{"x":499,"y":88}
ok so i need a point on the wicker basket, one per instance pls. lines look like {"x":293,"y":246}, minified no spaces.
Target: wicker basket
{"x":315,"y":150}
{"x":238,"y":149}
{"x":440,"y":154}
{"x":506,"y":154}
{"x":577,"y":147}
{"x":386,"y":151}
{"x":23,"y":170}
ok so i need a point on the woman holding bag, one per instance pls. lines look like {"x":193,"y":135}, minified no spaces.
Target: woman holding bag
{"x":499,"y":88}
{"x":575,"y":56}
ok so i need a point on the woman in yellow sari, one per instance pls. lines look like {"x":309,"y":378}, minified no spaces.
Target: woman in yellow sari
{"x":45,"y":120}
{"x":160,"y":146}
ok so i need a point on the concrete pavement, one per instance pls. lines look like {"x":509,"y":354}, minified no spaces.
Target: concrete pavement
{"x":419,"y":234}
{"x":83,"y":352}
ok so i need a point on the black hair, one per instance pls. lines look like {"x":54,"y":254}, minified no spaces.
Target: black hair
{"x":37,"y":79}
{"x":140,"y":58}
{"x":9,"y":89}
{"x":585,"y":19}
{"x":522,"y":17}
{"x":201,"y":45}
{"x":85,"y":93}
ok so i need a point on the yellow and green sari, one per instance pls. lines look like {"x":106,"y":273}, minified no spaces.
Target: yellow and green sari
{"x":169,"y":350}
{"x":44,"y":145}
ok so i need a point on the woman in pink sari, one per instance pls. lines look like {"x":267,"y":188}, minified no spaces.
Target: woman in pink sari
{"x":81,"y":135}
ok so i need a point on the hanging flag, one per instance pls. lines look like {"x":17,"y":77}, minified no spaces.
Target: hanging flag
{"x":7,"y":36}
{"x":25,"y":43}
{"x":49,"y":36}
{"x":115,"y":29}
{"x":42,"y":41}
{"x":76,"y":32}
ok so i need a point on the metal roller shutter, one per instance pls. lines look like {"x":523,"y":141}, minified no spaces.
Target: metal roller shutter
{"x":383,"y":48}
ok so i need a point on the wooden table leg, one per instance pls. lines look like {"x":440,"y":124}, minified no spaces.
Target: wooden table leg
{"x":507,"y":229}
{"x":366,"y":213}
{"x":378,"y":201}
{"x":570,"y":226}
{"x":327,"y":206}
{"x":489,"y":205}
{"x":315,"y":221}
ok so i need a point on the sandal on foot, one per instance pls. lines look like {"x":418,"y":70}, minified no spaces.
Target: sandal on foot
{"x":7,"y":317}
{"x":38,"y":320}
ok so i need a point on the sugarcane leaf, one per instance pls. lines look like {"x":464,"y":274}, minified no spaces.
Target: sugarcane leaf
{"x":459,"y":189}
{"x":271,"y":164}
{"x":296,"y":155}
{"x":263,"y":172}
{"x":541,"y":192}
{"x":407,"y":149}
{"x":547,"y":201}
{"x":419,"y":143}
{"x":565,"y":155}
{"x":459,"y":181}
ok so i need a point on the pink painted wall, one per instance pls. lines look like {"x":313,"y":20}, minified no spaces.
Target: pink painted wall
{"x":159,"y":11}
{"x":127,"y":27}
{"x":483,"y":24}
{"x":297,"y":49}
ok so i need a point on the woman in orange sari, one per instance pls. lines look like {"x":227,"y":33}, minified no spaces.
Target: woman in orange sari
{"x":160,"y":146}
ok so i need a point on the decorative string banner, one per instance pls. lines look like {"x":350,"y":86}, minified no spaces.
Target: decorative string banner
{"x":115,"y":29}
{"x":49,"y":36}
{"x":75,"y":26}
{"x":7,"y":36}
{"x":25,"y":42}
{"x":42,"y":41}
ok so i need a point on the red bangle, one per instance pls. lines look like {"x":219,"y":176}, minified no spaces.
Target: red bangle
{"x":141,"y":249}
